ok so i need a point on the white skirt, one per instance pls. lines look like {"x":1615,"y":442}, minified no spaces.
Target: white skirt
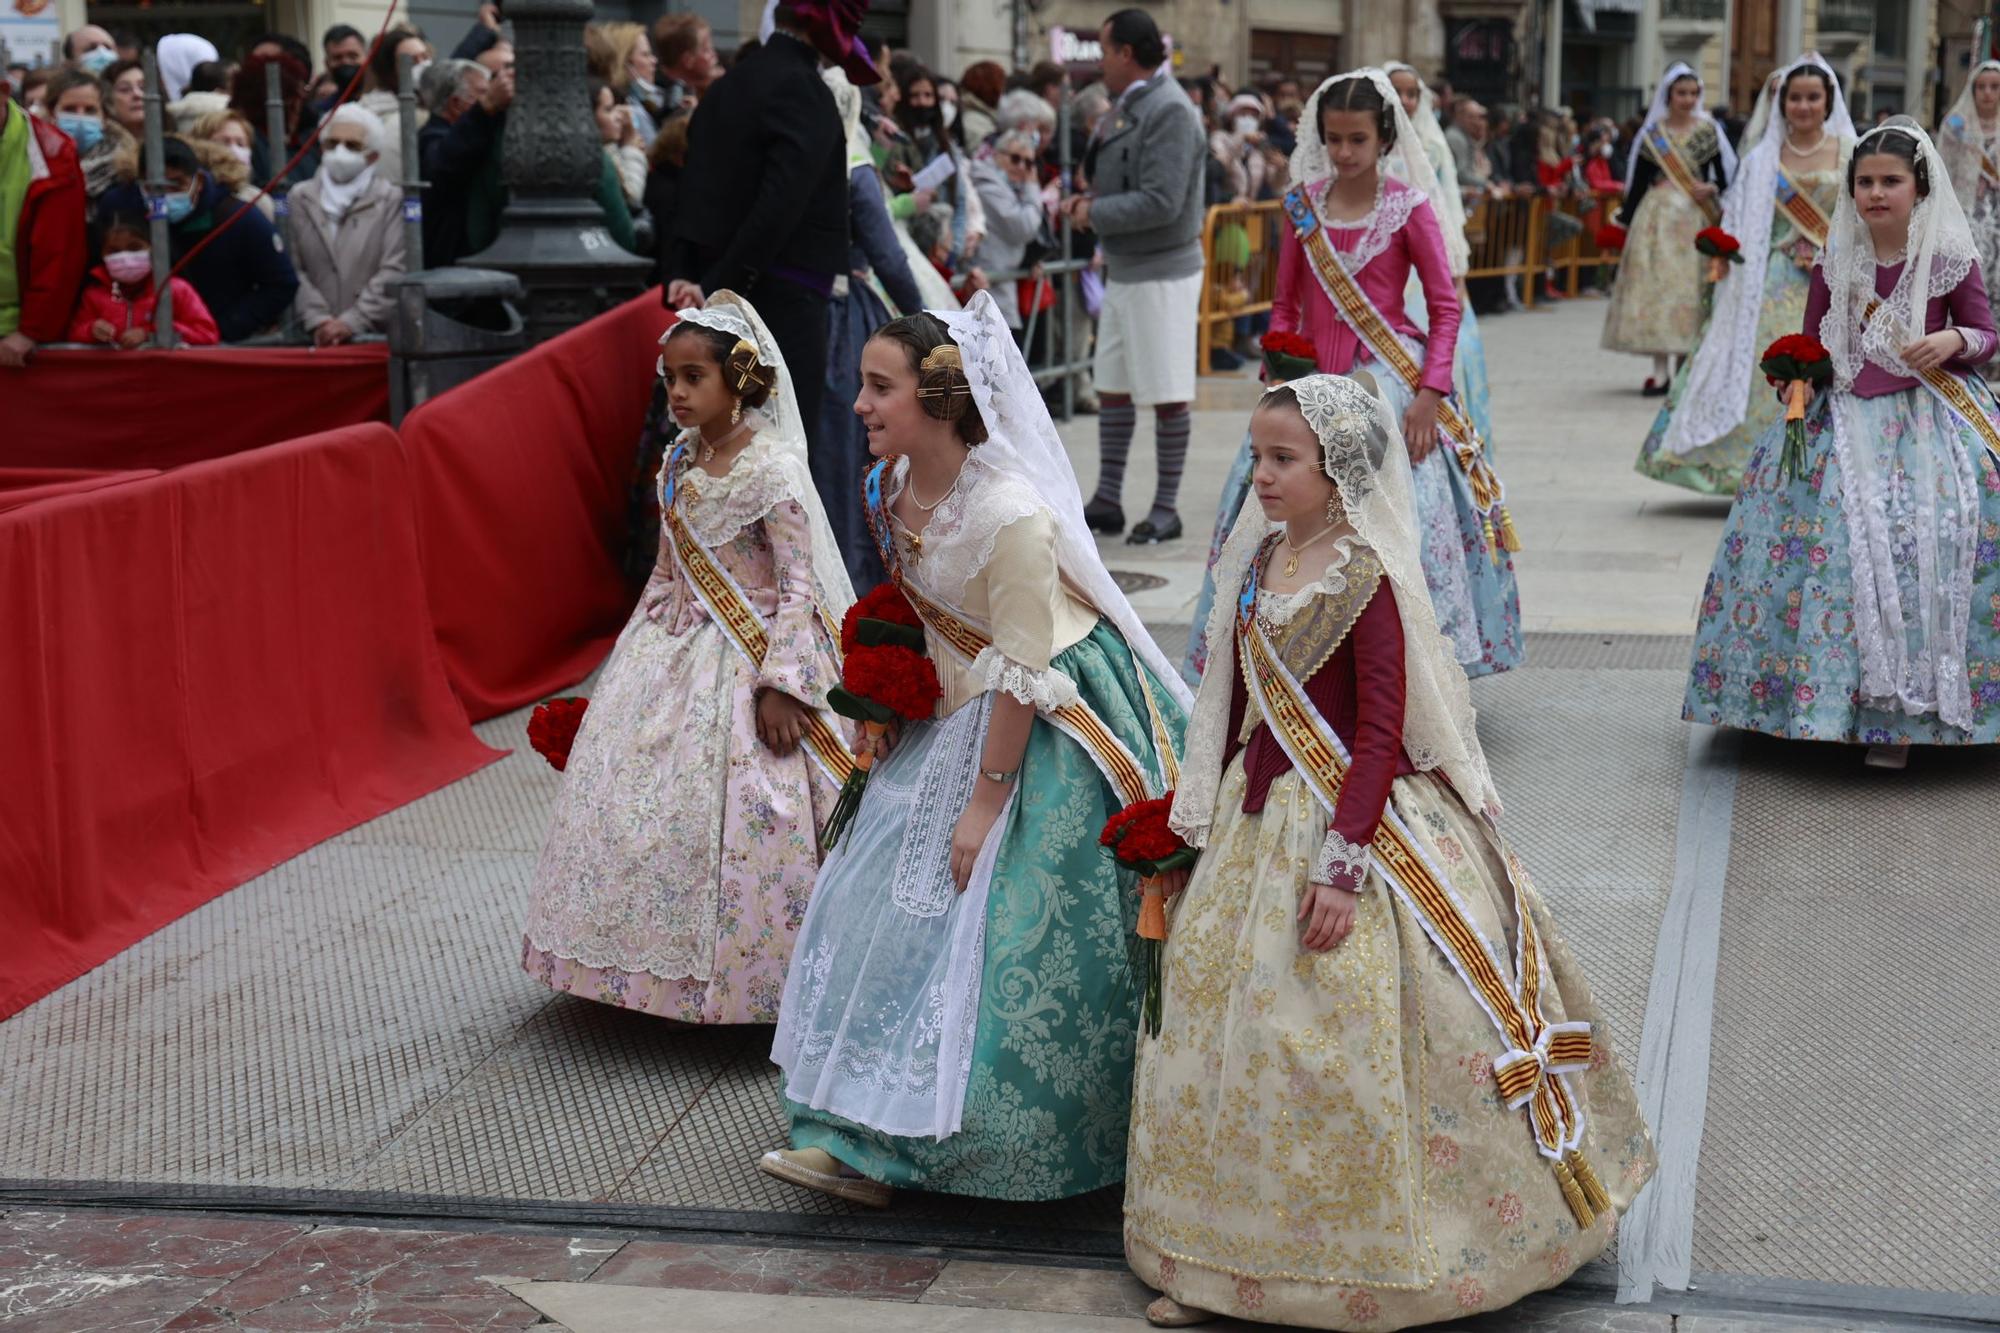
{"x":1146,"y":340}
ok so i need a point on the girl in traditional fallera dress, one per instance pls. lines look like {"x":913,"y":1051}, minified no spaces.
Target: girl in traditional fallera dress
{"x":1679,"y":164}
{"x":1860,"y":601}
{"x":1777,"y":208}
{"x":1381,"y":1093}
{"x":686,"y":839}
{"x":1368,"y":228}
{"x":1969,"y":141}
{"x":962,"y":1013}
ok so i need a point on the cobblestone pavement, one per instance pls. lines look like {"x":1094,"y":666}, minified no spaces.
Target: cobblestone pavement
{"x":331,"y":1100}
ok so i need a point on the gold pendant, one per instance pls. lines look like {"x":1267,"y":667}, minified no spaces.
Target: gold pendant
{"x":1292,"y":565}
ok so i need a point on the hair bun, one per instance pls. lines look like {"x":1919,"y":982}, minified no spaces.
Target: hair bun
{"x":941,"y":384}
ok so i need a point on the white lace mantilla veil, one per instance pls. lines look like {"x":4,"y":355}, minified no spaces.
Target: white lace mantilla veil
{"x":1022,"y":445}
{"x":1312,"y":170}
{"x":1657,"y":113}
{"x":1717,"y":394}
{"x":773,"y":467}
{"x":1439,"y":724}
{"x":1961,"y":137}
{"x":1447,"y":203}
{"x":847,"y":101}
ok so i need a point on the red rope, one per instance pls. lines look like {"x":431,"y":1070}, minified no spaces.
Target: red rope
{"x":346,"y":95}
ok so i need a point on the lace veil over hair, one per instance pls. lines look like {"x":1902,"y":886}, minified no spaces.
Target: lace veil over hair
{"x":1364,"y":455}
{"x":773,"y":467}
{"x":1718,"y":386}
{"x":1657,"y":114}
{"x":1022,"y":445}
{"x":1312,"y":169}
{"x":1961,"y":138}
{"x":1448,"y":202}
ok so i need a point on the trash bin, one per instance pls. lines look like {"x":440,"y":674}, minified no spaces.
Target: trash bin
{"x":450,"y":325}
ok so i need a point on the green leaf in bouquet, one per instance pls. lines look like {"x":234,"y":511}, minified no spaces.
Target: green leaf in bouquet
{"x":879,"y":633}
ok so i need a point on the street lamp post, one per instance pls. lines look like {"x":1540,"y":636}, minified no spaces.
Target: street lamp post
{"x":552,"y":234}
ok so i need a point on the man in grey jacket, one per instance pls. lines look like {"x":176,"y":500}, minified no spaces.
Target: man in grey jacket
{"x":1144,"y":166}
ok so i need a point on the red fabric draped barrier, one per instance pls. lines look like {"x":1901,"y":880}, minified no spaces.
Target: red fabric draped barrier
{"x":89,"y":409}
{"x":208,"y":671}
{"x":523,"y":477}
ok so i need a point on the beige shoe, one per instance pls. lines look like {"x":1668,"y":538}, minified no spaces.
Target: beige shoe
{"x":1887,"y":756}
{"x":1167,"y":1312}
{"x":818,"y":1169}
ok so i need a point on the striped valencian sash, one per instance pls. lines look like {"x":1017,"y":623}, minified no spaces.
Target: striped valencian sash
{"x":966,"y":639}
{"x":1951,"y":391}
{"x":1805,"y":215}
{"x":1376,"y":333}
{"x":1668,"y":154}
{"x":729,"y":608}
{"x":1533,"y":1072}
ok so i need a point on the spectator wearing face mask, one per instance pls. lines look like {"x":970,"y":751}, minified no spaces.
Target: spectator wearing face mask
{"x":234,"y":140}
{"x":41,"y":231}
{"x":344,"y":230}
{"x":1244,"y":127}
{"x":243,"y":275}
{"x":90,"y":49}
{"x":1012,"y":199}
{"x":76,"y":102}
{"x":248,"y":101}
{"x":343,"y":50}
{"x":118,"y":302}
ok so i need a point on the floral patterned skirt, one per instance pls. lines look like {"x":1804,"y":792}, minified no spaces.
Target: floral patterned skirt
{"x":682,"y":852}
{"x":1716,"y":468}
{"x":1656,"y":300}
{"x":1049,"y":1087}
{"x":1316,"y":1137}
{"x":1776,"y":649}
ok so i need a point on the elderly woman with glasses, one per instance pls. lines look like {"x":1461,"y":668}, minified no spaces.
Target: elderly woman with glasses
{"x":1010,"y":190}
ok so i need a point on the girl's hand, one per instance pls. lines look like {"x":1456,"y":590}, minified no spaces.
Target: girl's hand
{"x":1705,"y":190}
{"x":1420,"y":425}
{"x":781,"y":720}
{"x":988,"y":800}
{"x":887,"y":741}
{"x":103,"y":332}
{"x":1328,"y":913}
{"x":1174,"y":881}
{"x":1934,"y":349}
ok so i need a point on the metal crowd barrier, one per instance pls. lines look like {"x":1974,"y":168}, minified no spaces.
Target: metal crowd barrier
{"x":1240,"y":245}
{"x":1510,"y":239}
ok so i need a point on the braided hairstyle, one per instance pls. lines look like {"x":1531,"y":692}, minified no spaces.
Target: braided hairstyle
{"x":942,"y":388}
{"x":1358,"y":94}
{"x":1897,"y":143}
{"x":746,"y":377}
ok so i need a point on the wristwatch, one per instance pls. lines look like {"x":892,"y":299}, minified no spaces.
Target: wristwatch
{"x":991,"y":776}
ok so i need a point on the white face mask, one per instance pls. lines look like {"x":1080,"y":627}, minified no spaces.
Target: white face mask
{"x":417,"y":72}
{"x":1247,"y":126}
{"x":342,"y":163}
{"x":948,"y":110}
{"x":239,"y":151}
{"x":129,"y":266}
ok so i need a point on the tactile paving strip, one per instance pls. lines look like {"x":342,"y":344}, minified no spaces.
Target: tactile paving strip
{"x":1854,"y":1080}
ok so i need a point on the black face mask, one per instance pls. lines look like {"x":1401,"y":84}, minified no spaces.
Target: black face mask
{"x":342,"y":76}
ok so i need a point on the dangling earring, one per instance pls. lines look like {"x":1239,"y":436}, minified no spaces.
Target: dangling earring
{"x":1333,"y":511}
{"x":736,"y":412}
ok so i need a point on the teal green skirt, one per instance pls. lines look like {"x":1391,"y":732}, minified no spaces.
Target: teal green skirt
{"x":1057,"y":1020}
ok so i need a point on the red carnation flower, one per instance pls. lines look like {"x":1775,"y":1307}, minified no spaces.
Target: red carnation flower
{"x":885,"y":601}
{"x":552,"y":729}
{"x":1718,"y":244}
{"x":898,"y":678}
{"x":1288,"y":343}
{"x":1611,"y":236}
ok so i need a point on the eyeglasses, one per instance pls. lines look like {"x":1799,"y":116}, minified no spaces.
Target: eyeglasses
{"x":1019,"y":159}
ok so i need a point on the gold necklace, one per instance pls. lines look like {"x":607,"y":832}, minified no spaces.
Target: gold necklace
{"x":926,"y":508}
{"x":708,"y":449}
{"x":1292,"y":565}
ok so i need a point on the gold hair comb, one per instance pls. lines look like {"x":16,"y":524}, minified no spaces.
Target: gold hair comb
{"x":745,"y":376}
{"x":943,"y":357}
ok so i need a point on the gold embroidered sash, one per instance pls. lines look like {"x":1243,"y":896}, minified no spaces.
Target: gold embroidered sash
{"x":741,"y":625}
{"x":1668,"y":154}
{"x":1951,"y":391}
{"x":1379,"y":336}
{"x":1804,"y":214}
{"x":1533,"y":1072}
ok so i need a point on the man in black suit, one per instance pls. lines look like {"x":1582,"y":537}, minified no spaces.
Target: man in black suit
{"x":763,"y":208}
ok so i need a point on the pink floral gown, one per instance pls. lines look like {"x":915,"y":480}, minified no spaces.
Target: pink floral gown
{"x":683,"y":851}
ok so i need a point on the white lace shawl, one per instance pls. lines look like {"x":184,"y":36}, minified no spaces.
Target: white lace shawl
{"x":1448,"y":203}
{"x":1022,"y":446}
{"x":1406,"y":161}
{"x":1364,"y":455}
{"x":1657,"y":113}
{"x":1717,"y":395}
{"x":1962,"y":138}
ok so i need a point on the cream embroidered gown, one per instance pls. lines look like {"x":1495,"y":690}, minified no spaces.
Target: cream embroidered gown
{"x":1317,"y":1138}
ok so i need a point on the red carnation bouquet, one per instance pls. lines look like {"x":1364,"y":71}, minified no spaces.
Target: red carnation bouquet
{"x":1288,"y":356}
{"x":1611,"y":237}
{"x":552,"y":729}
{"x":1797,"y":363}
{"x":884,"y":679}
{"x":1720,"y":247}
{"x":1141,"y":840}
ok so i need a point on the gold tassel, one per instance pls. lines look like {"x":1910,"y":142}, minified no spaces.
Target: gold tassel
{"x":1491,"y":538}
{"x":1509,"y":538}
{"x":1579,"y":1206}
{"x":1586,"y":1178}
